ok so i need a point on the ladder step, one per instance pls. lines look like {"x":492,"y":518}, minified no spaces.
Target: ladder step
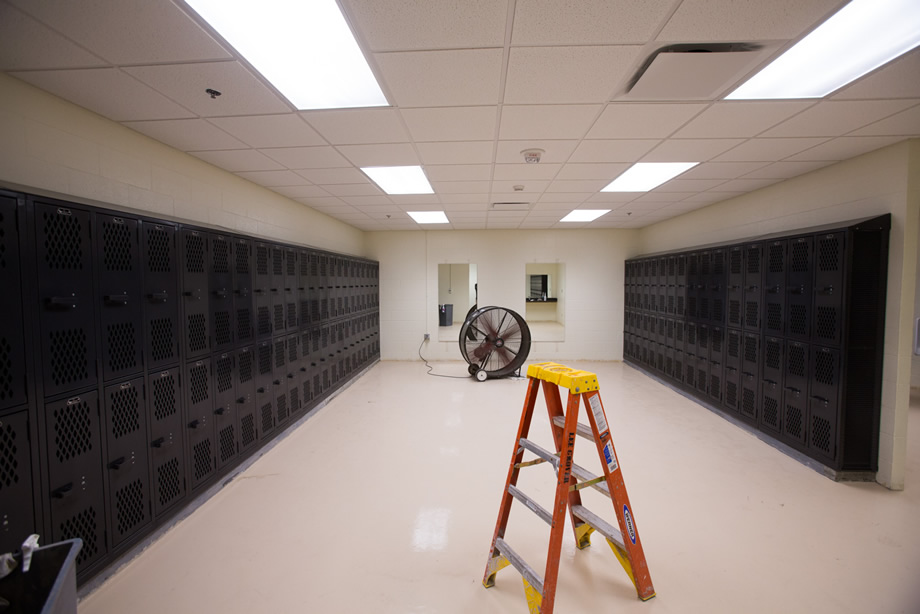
{"x":532,"y":505}
{"x":532,"y":577}
{"x":581,"y":429}
{"x":584,"y":475}
{"x":541,"y":452}
{"x":600,"y":525}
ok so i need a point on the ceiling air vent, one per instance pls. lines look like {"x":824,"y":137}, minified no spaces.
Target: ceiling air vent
{"x":695,"y":71}
{"x":511,"y":206}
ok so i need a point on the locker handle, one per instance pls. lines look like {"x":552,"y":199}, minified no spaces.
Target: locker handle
{"x":63,"y":491}
{"x":220,"y":411}
{"x":194,"y":424}
{"x":290,"y":376}
{"x":62,"y":302}
{"x":195,"y":294}
{"x":260,"y":390}
{"x":797,"y":290}
{"x":158,"y":297}
{"x":793,"y":390}
{"x":770,"y":381}
{"x":773,"y":289}
{"x":751,"y":288}
{"x":241,"y":400}
{"x":160,"y":443}
{"x":828,"y":290}
{"x":242,"y":292}
{"x":259,"y":291}
{"x":820,"y":400}
{"x":749,"y":374}
{"x":277,"y":382}
{"x":303,"y":369}
{"x":117,"y":463}
{"x":222,"y":293}
{"x":116,"y":299}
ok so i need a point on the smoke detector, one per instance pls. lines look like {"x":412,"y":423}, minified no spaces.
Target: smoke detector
{"x":532,"y":156}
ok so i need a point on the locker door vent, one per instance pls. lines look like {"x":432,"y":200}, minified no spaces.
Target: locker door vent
{"x":775,"y":317}
{"x":197,"y":332}
{"x":245,"y":366}
{"x":222,"y":333}
{"x":824,"y":368}
{"x":116,"y":247}
{"x":2,"y":243}
{"x":798,"y":320}
{"x":279,"y":318}
{"x":828,"y":254}
{"x":826,"y":322}
{"x":168,"y":483}
{"x":125,"y":414}
{"x":734,"y":312}
{"x":82,"y":525}
{"x":792,"y":424}
{"x":202,"y":461}
{"x":748,"y":402}
{"x":265,"y":359}
{"x":224,"y":372}
{"x":821,"y":434}
{"x":198,"y":384}
{"x":750,"y":350}
{"x":227,"y":443}
{"x":265,"y":321}
{"x":243,"y":324}
{"x":795,"y":364}
{"x":164,"y":397}
{"x":9,"y":466}
{"x":776,"y":264}
{"x":771,"y":412}
{"x":6,"y":371}
{"x":68,"y":356}
{"x":773,"y":354}
{"x":63,"y":242}
{"x":261,"y":260}
{"x":162,"y":339}
{"x":122,"y":340}
{"x":129,"y":506}
{"x":242,"y":261}
{"x":799,"y":258}
{"x":282,"y":404}
{"x":158,"y":252}
{"x":267,"y":420}
{"x":277,"y":262}
{"x":248,"y":429}
{"x":220,"y":250}
{"x":194,"y":253}
{"x":731,"y":393}
{"x":752,"y":313}
{"x":73,"y":434}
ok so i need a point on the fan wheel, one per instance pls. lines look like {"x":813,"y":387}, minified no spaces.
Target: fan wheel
{"x":494,"y":340}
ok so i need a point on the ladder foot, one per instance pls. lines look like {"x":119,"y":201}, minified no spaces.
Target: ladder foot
{"x":495,"y":564}
{"x":534,"y":598}
{"x":583,"y":535}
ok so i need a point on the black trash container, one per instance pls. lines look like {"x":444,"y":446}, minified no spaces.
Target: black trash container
{"x":50,"y":586}
{"x":446,"y":314}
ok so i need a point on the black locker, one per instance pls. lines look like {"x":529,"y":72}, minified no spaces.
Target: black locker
{"x":12,"y":344}
{"x":750,"y":375}
{"x":717,"y":287}
{"x":702,"y":341}
{"x":167,"y":452}
{"x":277,"y":290}
{"x":17,"y":514}
{"x":717,"y":344}
{"x":119,"y":295}
{"x":735,"y":286}
{"x":753,"y":286}
{"x":795,"y":411}
{"x":127,"y":464}
{"x":702,"y":375}
{"x":221,"y":272}
{"x":262,"y":290}
{"x":293,"y":373}
{"x":715,"y":381}
{"x":732,"y":383}
{"x":827,"y":322}
{"x":291,"y":289}
{"x":280,"y":381}
{"x":799,"y":284}
{"x":690,"y":343}
{"x":774,"y":316}
{"x":824,"y":371}
{"x":679,"y":361}
{"x":662,"y":299}
{"x":244,"y":318}
{"x":74,"y":457}
{"x":265,"y":402}
{"x":305,"y":279}
{"x":771,"y":401}
{"x":193,"y":255}
{"x":161,"y":291}
{"x":199,"y":414}
{"x":705,"y":277}
{"x":690,"y":371}
{"x":64,"y":261}
{"x":693,"y":285}
{"x":245,"y":397}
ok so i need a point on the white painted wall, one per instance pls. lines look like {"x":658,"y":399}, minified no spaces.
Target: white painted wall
{"x":884,"y":181}
{"x":455,"y":287}
{"x":593,"y":285}
{"x":55,"y":148}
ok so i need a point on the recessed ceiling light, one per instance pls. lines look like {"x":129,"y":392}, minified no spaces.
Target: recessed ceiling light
{"x":399,"y":179}
{"x":305,"y":49}
{"x":859,"y":38}
{"x":645,"y":176}
{"x":584,"y":215}
{"x":429,"y":217}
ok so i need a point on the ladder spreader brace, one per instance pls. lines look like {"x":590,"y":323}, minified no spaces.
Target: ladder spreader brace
{"x":571,"y":478}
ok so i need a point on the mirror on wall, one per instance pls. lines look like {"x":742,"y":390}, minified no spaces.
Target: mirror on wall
{"x":544,"y":294}
{"x":458,"y":290}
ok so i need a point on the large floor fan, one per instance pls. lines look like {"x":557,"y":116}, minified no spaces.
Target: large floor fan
{"x":495,"y":342}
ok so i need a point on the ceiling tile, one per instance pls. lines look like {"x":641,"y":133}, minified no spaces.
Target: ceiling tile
{"x":333,"y":176}
{"x":768,"y":150}
{"x":306,"y":157}
{"x":452,"y":123}
{"x":241,"y":92}
{"x":627,"y":150}
{"x":344,"y":190}
{"x":690,"y":185}
{"x":301,"y":191}
{"x":510,"y":152}
{"x":591,"y":171}
{"x":786,"y":170}
{"x":473,"y":152}
{"x":567,"y":75}
{"x":836,"y":118}
{"x":721,"y":170}
{"x":573,"y":187}
{"x":129,"y":31}
{"x":743,"y":185}
{"x":551,"y":207}
{"x":661,"y":198}
{"x":239,"y":160}
{"x":739,"y":119}
{"x":429,"y":24}
{"x":904,"y":123}
{"x":546,"y":121}
{"x":534,"y":186}
{"x":525,"y":172}
{"x":745,"y":20}
{"x":846,"y":147}
{"x":108,"y":92}
{"x":642,"y":121}
{"x":587,"y":22}
{"x":509,"y":196}
{"x":366,"y":203}
{"x":897,"y":79}
{"x":27,"y":44}
{"x":559,"y":197}
{"x":358,"y":126}
{"x":690,"y":150}
{"x":443,"y":78}
{"x":187,"y":134}
{"x":708,"y":198}
{"x":473,"y":211}
{"x":272,"y":179}
{"x":270,"y":130}
{"x":458,"y":172}
{"x":464,"y":199}
{"x":380,"y":154}
{"x":425,"y":202}
{"x":460,"y":187}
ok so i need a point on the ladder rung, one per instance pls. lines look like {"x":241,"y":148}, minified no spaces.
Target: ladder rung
{"x":600,"y":525}
{"x":581,"y":429}
{"x":541,"y":452}
{"x":532,"y":505}
{"x":532,"y":577}
{"x":584,"y":475}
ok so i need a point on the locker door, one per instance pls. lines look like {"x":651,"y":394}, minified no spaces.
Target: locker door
{"x":702,"y":341}
{"x":716,"y":344}
{"x":119,"y":295}
{"x":127,"y":468}
{"x":220,"y":282}
{"x":702,"y":376}
{"x":715,"y":381}
{"x":193,"y":254}
{"x":242,"y":291}
{"x":292,"y":373}
{"x":262,"y":288}
{"x":12,"y":344}
{"x":693,"y":285}
{"x":265,"y":402}
{"x":750,"y":376}
{"x":75,"y":474}
{"x":690,"y":344}
{"x":799,"y":284}
{"x":827,"y":324}
{"x":303,"y":288}
{"x":161,"y":291}
{"x":717,"y":287}
{"x":703,"y":286}
{"x":732,"y":383}
{"x":823,"y":401}
{"x":774,"y":319}
{"x":17,"y":514}
{"x":226,"y":425}
{"x":772,"y":384}
{"x":753,"y":286}
{"x":167,"y":452}
{"x":245,"y":397}
{"x":679,"y":361}
{"x":65,"y":284}
{"x":735,"y":286}
{"x":199,"y":421}
{"x":280,"y":381}
{"x":291,"y":289}
{"x":277,"y":290}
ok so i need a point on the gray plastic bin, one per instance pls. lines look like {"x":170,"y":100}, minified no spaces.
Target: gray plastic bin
{"x":50,"y":586}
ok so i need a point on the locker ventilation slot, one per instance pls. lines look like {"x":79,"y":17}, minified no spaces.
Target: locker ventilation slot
{"x":265,"y":359}
{"x":224,"y":371}
{"x":194,"y":254}
{"x":73,"y":431}
{"x":261,"y":260}
{"x":279,"y":317}
{"x":2,"y":243}
{"x":221,"y":254}
{"x":267,"y":419}
{"x":162,"y":339}
{"x":282,"y":404}
{"x":824,"y":368}
{"x":82,"y":525}
{"x":776,"y":264}
{"x":799,"y":263}
{"x":750,"y":350}
{"x":227,"y":444}
{"x":63,"y":242}
{"x":731,"y":393}
{"x":826,"y":322}
{"x":222,"y":335}
{"x":242,"y":260}
{"x":68,"y":356}
{"x":821,"y":434}
{"x":793,"y":422}
{"x":168,"y":482}
{"x":201,"y":459}
{"x":771,"y":412}
{"x":243,"y":324}
{"x":277,"y":262}
{"x":125,"y":415}
{"x":828,"y":259}
{"x":122,"y":349}
{"x":753,"y":260}
{"x":116,"y":247}
{"x":248,"y":429}
{"x":164,"y":397}
{"x":775,"y":316}
{"x":795,"y":364}
{"x":279,"y":354}
{"x":798,"y":320}
{"x":734,"y":312}
{"x":158,"y":251}
{"x":197,"y":332}
{"x":9,"y":466}
{"x":245,"y":360}
{"x":307,"y":392}
{"x":292,"y":314}
{"x":198,"y":384}
{"x":265,"y":321}
{"x":752,"y":313}
{"x":129,"y":506}
{"x":773,"y":355}
{"x":748,"y":402}
{"x":6,"y":370}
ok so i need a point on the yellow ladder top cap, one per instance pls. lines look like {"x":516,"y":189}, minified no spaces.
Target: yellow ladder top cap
{"x":575,"y":380}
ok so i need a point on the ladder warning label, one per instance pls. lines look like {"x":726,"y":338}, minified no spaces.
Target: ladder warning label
{"x":595,"y":402}
{"x":610,"y":457}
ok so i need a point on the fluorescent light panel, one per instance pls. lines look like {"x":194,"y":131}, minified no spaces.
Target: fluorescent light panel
{"x":859,"y":38}
{"x":399,"y":179}
{"x":584,"y":215}
{"x":645,"y":176}
{"x":429,"y":217}
{"x":304,"y":48}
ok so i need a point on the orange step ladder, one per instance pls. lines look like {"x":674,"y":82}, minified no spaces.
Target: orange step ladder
{"x":571,"y":478}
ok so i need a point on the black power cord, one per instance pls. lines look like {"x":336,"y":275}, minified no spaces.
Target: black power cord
{"x":430,"y":367}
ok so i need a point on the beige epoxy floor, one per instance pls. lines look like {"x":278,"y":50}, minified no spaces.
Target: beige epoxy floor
{"x":385,"y":501}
